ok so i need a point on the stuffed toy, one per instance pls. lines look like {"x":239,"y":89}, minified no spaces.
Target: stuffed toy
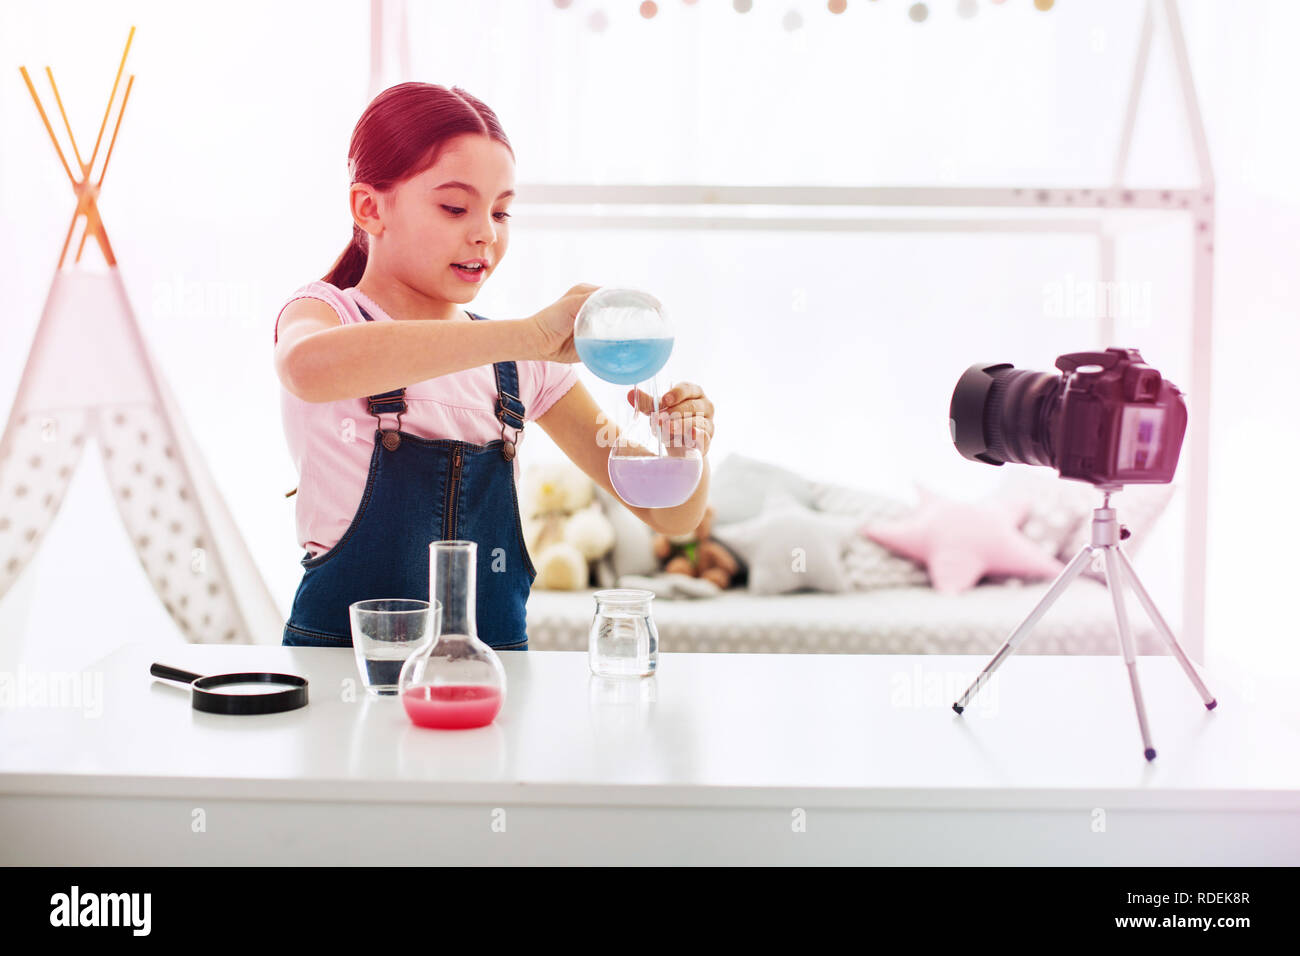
{"x":696,"y":554}
{"x":564,"y":528}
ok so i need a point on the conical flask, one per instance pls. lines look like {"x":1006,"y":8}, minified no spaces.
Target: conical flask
{"x":457,"y":681}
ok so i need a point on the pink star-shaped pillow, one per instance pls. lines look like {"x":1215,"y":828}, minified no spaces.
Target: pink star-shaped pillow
{"x":960,"y":542}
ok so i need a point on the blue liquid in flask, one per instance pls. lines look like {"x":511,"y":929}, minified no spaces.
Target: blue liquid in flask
{"x":624,"y":361}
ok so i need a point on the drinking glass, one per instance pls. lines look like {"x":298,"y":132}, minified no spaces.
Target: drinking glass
{"x":387,"y":631}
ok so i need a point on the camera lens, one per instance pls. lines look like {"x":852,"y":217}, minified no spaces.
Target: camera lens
{"x":1002,"y":414}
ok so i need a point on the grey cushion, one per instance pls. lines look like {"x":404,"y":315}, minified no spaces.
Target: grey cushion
{"x":868,"y":565}
{"x":1138,"y":508}
{"x":633,"y":550}
{"x":671,"y":586}
{"x":739,"y":485}
{"x":1060,"y":516}
{"x":789,"y":547}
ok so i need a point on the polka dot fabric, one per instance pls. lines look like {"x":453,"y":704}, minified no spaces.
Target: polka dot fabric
{"x":38,"y":455}
{"x":154,"y":494}
{"x":868,"y":565}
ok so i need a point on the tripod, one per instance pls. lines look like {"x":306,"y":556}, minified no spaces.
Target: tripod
{"x":1106,"y":535}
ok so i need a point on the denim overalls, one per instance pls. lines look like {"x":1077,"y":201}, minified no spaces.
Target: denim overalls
{"x":420,"y":490}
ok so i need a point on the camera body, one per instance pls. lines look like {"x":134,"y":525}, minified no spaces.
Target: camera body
{"x":1108,"y":418}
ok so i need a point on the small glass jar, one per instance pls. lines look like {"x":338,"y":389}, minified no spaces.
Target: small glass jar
{"x":623,"y":641}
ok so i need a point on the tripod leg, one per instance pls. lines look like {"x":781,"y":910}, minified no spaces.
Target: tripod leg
{"x":1115,"y":584}
{"x":1024,"y":627}
{"x":1174,"y":648}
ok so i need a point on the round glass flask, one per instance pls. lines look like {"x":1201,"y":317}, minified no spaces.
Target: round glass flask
{"x":456,"y":681}
{"x":623,"y":336}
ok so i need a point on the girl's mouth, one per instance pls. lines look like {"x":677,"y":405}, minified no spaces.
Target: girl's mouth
{"x":469,"y":275}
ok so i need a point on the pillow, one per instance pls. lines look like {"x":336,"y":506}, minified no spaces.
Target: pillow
{"x":789,"y":547}
{"x":869,"y":565}
{"x":1059,"y":514}
{"x":960,"y":542}
{"x":671,"y":586}
{"x":633,"y":539}
{"x":739,"y":486}
{"x":1053,"y":513}
{"x":848,"y":500}
{"x":602,"y":574}
{"x":1138,"y":508}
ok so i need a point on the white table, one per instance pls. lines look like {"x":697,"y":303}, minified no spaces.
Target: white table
{"x":720,"y":758}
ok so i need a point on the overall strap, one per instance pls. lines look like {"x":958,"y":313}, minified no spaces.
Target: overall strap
{"x":394,"y":401}
{"x":510,"y":407}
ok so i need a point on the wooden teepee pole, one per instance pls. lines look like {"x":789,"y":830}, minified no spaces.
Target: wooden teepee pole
{"x":48,"y":128}
{"x":87,"y":192}
{"x":66,"y":125}
{"x":109,"y":108}
{"x":101,"y":235}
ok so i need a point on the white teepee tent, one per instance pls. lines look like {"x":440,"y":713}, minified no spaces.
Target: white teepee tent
{"x":89,"y":376}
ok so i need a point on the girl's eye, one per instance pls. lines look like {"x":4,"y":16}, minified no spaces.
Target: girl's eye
{"x":456,"y":211}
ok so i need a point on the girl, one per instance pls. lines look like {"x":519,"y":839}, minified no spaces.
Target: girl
{"x":403,"y":411}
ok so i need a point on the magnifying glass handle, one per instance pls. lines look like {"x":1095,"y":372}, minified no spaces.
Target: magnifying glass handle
{"x":173,"y":673}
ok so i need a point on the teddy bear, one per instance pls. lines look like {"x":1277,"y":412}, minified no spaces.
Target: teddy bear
{"x":696,"y":554}
{"x":564,"y":528}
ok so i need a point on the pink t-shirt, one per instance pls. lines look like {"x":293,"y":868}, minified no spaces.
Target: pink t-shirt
{"x":332,"y":442}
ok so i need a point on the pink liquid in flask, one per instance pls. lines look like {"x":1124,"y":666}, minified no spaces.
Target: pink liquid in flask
{"x":651,"y":482}
{"x":452,"y":707}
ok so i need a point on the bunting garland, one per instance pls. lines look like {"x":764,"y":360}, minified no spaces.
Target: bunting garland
{"x":597,"y":20}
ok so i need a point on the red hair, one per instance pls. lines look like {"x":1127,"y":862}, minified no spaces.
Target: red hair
{"x":401,"y":134}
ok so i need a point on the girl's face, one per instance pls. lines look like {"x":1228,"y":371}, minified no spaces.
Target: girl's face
{"x":428,"y":225}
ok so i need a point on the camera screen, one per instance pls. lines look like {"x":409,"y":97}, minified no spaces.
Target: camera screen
{"x":1139,"y":437}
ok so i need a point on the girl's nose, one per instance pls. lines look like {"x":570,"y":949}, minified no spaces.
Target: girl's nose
{"x":486,"y":231}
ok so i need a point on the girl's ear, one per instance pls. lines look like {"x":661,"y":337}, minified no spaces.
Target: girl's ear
{"x":367,"y":208}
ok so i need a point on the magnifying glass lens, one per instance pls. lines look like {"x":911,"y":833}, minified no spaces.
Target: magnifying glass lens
{"x":252,"y":687}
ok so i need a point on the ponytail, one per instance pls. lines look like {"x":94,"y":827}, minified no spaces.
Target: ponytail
{"x":349,"y":267}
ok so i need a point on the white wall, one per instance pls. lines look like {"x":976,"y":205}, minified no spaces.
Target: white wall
{"x":227,"y":191}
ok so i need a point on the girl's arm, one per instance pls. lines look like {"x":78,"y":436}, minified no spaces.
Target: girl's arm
{"x":319,"y":359}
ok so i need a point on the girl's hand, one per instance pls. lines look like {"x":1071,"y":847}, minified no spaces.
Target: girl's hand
{"x":553,"y":326}
{"x":686,"y":415}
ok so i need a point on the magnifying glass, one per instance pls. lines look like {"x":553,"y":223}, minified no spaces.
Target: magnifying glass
{"x":254,"y":692}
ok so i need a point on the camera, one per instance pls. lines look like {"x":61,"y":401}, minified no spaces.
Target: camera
{"x":1108,"y":418}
